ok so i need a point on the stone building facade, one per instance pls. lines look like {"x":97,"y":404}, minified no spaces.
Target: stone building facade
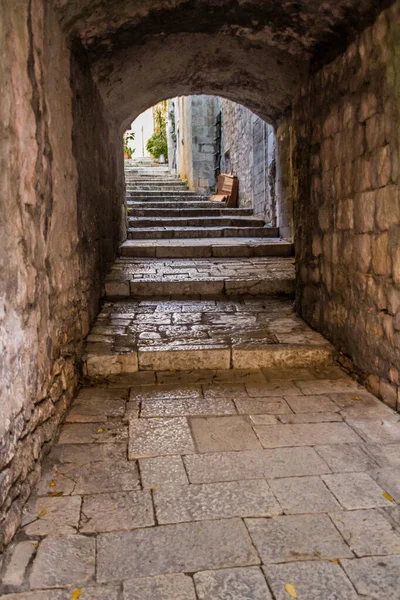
{"x":216,"y":135}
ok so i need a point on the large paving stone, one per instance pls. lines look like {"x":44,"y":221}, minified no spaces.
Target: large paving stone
{"x":312,"y":580}
{"x":162,"y":470}
{"x":231,"y":466}
{"x":175,"y":504}
{"x":356,"y":490}
{"x":276,"y":388}
{"x":346,"y":457}
{"x":157,"y":437}
{"x":52,"y":516}
{"x":41,"y":595}
{"x":255,"y":406}
{"x":100,"y":433}
{"x":116,"y":512}
{"x":165,"y":392}
{"x":377,"y":431}
{"x":81,"y":454}
{"x":162,"y":587}
{"x":309,"y":417}
{"x":97,"y":404}
{"x":296,"y":537}
{"x":385,"y":454}
{"x":247,"y":583}
{"x":305,"y":404}
{"x":388,"y":478}
{"x":375,"y":577}
{"x":91,"y":478}
{"x":186,"y":407}
{"x":299,"y":495}
{"x":219,"y":434}
{"x":276,"y":436}
{"x":329,"y":386}
{"x":367,"y":532}
{"x":63,"y":561}
{"x":186,"y":547}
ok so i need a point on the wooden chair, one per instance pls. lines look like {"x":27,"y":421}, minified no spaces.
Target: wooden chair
{"x":227,"y":190}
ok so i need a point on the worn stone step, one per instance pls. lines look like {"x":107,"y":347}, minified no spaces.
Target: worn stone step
{"x":187,"y":212}
{"x":176,"y":204}
{"x":205,"y":248}
{"x":205,"y":277}
{"x":187,"y":334}
{"x":200,"y":232}
{"x":156,"y":188}
{"x":173,"y":197}
{"x":204,"y":221}
{"x":184,"y":194}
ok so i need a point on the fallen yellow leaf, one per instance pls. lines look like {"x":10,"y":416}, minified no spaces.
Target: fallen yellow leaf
{"x":291,"y":590}
{"x":36,"y":545}
{"x":52,"y":483}
{"x":387,"y":496}
{"x":356,"y":398}
{"x":42,"y":513}
{"x":334,"y":560}
{"x":76,"y":594}
{"x":100,"y":430}
{"x":52,"y":494}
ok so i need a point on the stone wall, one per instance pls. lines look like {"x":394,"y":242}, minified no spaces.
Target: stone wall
{"x":46,"y":243}
{"x":248,"y":151}
{"x":195,"y":135}
{"x":347,"y":211}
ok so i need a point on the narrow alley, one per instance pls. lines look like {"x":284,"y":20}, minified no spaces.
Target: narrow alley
{"x":216,"y":450}
{"x":200,"y":300}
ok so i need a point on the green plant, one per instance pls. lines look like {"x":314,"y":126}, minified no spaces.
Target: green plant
{"x":157,"y":144}
{"x":128,"y":137}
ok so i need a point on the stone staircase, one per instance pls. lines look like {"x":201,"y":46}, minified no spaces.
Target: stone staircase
{"x":197,"y":286}
{"x":166,"y":220}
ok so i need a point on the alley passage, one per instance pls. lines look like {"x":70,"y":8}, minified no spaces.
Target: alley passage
{"x":217,"y":451}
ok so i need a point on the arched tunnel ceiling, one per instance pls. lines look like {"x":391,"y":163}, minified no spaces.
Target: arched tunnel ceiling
{"x":255,"y":52}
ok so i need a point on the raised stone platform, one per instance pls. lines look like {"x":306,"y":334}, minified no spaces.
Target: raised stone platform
{"x":161,"y":334}
{"x":230,"y":276}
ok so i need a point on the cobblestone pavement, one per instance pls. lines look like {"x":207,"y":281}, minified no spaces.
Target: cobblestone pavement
{"x":214,"y":485}
{"x":140,"y":277}
{"x":158,"y":334}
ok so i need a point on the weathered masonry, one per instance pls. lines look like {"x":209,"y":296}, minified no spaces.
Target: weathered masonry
{"x":75,"y":73}
{"x":211,"y":135}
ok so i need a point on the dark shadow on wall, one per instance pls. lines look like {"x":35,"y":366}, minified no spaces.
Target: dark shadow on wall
{"x":100,"y":195}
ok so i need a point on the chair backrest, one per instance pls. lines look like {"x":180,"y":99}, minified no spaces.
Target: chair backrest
{"x":228,"y":185}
